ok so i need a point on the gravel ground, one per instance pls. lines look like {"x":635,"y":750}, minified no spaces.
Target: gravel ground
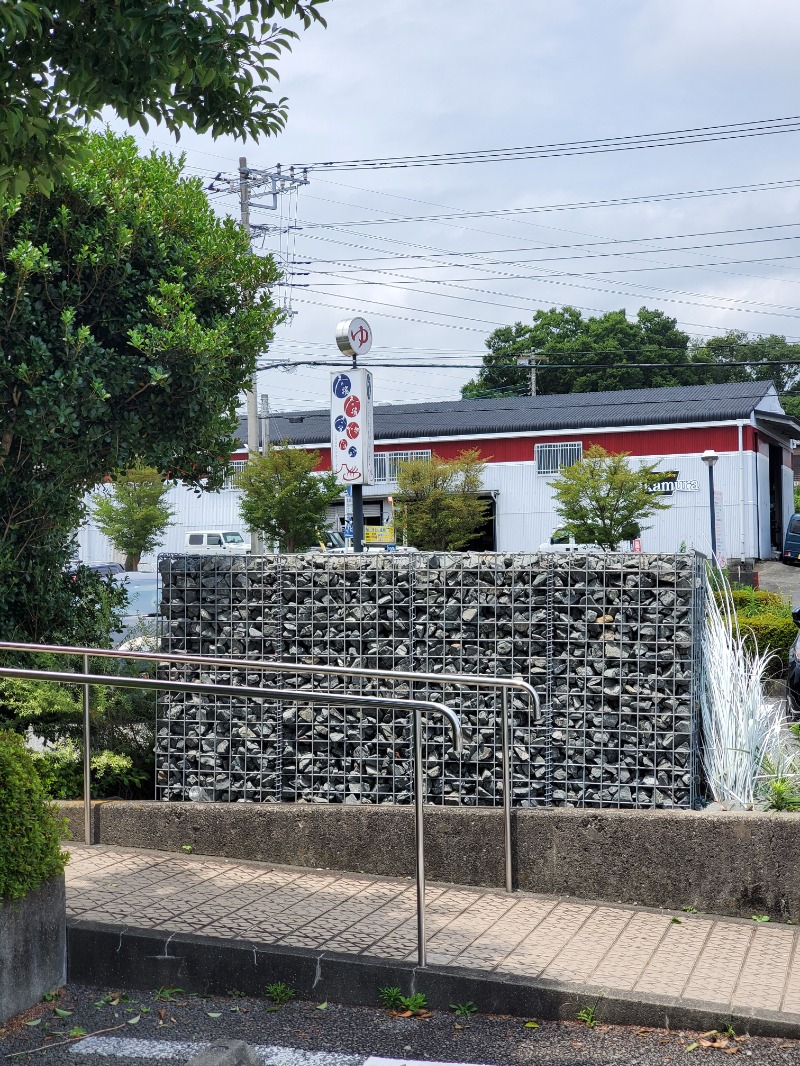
{"x":497,"y":1041}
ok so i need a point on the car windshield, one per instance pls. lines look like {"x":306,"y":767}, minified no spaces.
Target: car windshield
{"x":233,"y":538}
{"x":334,"y":539}
{"x":141,"y":598}
{"x":559,"y":537}
{"x":794,"y":524}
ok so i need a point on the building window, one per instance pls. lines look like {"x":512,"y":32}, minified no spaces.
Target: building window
{"x":234,"y":473}
{"x":386,"y":463}
{"x":550,"y":458}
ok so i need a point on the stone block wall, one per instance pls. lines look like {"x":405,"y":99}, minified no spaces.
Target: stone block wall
{"x":611,"y":642}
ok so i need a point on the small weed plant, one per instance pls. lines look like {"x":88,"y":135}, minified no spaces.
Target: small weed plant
{"x":167,"y":995}
{"x":464,"y":1010}
{"x":391,"y":998}
{"x":415,"y":1005}
{"x":588,"y":1015}
{"x":280,"y":993}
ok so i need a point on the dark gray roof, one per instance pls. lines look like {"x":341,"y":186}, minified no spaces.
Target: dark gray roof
{"x":539,"y":414}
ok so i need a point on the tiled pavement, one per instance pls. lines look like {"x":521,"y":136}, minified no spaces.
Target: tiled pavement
{"x":730,"y":965}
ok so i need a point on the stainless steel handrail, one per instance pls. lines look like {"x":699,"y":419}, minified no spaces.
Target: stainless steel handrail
{"x":345,"y":700}
{"x":279,"y":666}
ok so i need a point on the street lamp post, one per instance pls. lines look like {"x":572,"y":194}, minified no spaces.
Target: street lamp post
{"x":710,"y":457}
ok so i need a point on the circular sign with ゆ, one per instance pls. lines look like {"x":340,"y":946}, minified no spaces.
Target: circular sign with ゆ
{"x":352,"y":431}
{"x":354,"y":336}
{"x":340,"y":424}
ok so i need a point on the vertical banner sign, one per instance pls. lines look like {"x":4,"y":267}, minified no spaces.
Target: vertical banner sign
{"x":719,"y":527}
{"x":352,"y":447}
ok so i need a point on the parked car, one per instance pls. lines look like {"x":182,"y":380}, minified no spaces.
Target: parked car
{"x":103,"y":569}
{"x":561,"y":541}
{"x":793,"y":673}
{"x":138,"y":627}
{"x":213,"y":541}
{"x":791,"y":542}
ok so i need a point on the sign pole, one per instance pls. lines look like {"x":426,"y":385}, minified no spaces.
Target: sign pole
{"x":351,"y":423}
{"x":358,"y":518}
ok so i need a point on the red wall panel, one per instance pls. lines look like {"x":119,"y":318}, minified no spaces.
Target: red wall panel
{"x":656,"y":442}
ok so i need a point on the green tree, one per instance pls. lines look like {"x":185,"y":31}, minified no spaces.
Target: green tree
{"x":596,"y":354}
{"x":438,"y":503}
{"x":284,"y":500}
{"x":130,"y":320}
{"x":603,"y":500}
{"x":197,"y":63}
{"x":765,"y":358}
{"x":134,"y":514}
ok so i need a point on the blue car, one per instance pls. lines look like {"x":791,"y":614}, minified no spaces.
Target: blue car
{"x":791,"y":543}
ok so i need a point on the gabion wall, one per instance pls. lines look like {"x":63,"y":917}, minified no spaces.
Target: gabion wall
{"x":611,"y":642}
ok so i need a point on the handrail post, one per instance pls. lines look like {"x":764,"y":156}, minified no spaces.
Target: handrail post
{"x":87,"y":758}
{"x":505,"y":726}
{"x":419,"y":836}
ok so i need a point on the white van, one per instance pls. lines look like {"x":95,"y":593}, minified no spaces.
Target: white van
{"x":561,"y":541}
{"x":213,"y":541}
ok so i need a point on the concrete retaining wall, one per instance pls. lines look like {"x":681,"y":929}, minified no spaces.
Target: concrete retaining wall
{"x":730,"y":864}
{"x":33,"y":947}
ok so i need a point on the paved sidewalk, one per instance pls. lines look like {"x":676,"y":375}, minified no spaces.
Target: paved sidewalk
{"x":727,"y":965}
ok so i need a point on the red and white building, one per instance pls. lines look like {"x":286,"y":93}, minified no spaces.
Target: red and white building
{"x":524,"y":441}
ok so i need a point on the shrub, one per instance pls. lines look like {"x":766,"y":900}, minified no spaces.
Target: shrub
{"x":30,"y":849}
{"x":122,"y":724}
{"x":61,"y":771}
{"x":750,"y":601}
{"x":772,"y":632}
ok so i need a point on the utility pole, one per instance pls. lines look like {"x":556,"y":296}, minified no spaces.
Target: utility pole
{"x":265,"y":441}
{"x":256,"y":547}
{"x":532,"y":361}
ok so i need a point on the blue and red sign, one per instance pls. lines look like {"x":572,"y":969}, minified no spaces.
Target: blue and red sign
{"x":351,"y":421}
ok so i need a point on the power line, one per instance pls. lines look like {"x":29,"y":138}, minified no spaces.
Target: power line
{"x":626,"y":143}
{"x":581,"y":205}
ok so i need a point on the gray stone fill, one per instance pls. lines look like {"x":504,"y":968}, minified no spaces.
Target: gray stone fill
{"x":610,"y":641}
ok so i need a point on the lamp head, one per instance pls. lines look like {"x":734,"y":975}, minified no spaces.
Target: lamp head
{"x":709,"y":457}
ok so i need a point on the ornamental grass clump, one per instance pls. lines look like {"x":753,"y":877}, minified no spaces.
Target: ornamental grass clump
{"x":741,"y":728}
{"x":30,"y":829}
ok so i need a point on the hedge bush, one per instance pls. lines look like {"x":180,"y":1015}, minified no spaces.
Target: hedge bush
{"x":61,"y":772}
{"x":30,"y":829}
{"x":773,"y":633}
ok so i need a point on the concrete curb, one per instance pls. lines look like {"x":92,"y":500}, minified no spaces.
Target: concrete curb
{"x":128,"y":957}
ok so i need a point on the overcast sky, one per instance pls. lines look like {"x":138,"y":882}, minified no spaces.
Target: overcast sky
{"x":402,"y":77}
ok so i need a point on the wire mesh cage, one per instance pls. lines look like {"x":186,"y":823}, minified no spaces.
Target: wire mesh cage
{"x":610,"y":642}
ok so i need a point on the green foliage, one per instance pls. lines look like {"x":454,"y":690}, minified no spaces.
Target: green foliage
{"x":133,"y":514}
{"x":122,"y":725}
{"x":61,"y":772}
{"x":30,"y":830}
{"x":796,"y":489}
{"x":208,"y":66}
{"x":437,"y":501}
{"x":391,"y":997}
{"x":280,"y":993}
{"x":596,"y":354}
{"x":130,"y":320}
{"x":464,"y":1010}
{"x":773,"y":632}
{"x":588,"y":1015}
{"x":749,"y":602}
{"x":284,"y":500}
{"x":782,"y":794}
{"x":603,"y":499}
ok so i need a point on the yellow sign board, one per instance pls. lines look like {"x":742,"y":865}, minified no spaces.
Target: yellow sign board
{"x":379,"y":534}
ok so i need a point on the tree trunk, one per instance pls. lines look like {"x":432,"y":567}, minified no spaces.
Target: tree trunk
{"x":132,"y":562}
